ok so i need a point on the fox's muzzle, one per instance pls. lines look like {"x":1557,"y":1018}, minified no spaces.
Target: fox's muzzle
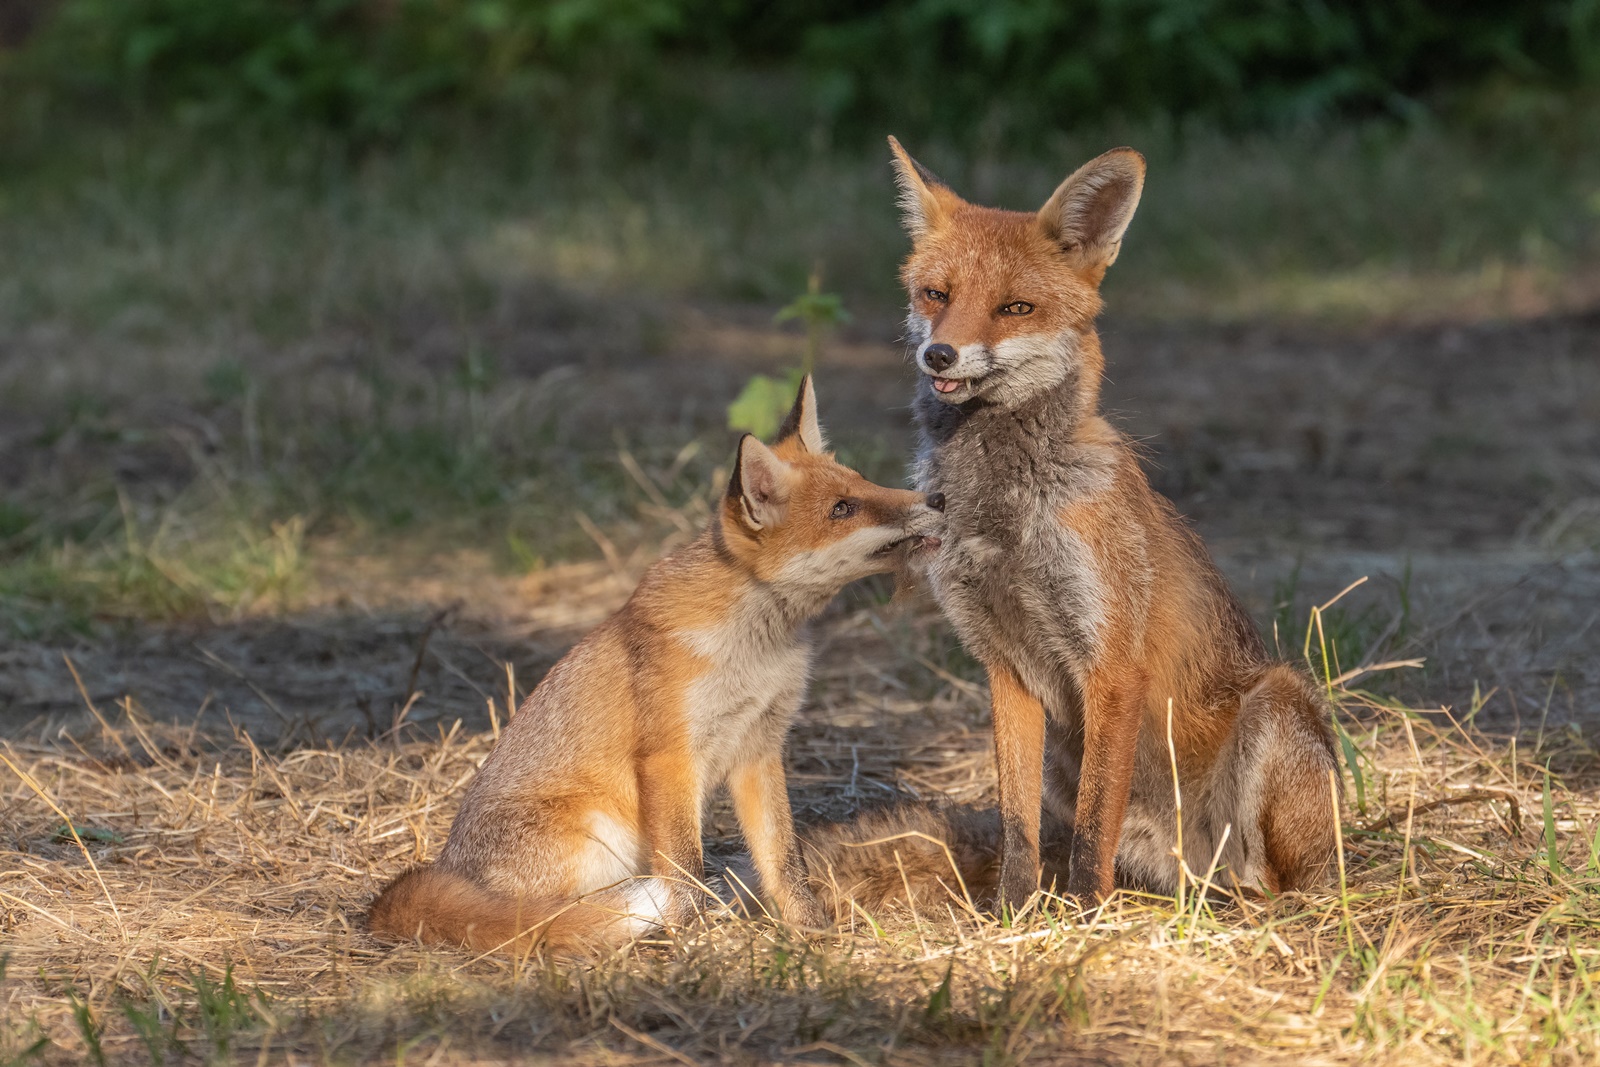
{"x":956,"y":372}
{"x":925,"y":525}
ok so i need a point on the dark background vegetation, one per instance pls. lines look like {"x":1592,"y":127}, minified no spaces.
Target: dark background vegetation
{"x":668,"y":68}
{"x":289,"y":280}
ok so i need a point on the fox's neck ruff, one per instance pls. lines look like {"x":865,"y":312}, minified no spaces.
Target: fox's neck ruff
{"x":775,"y":609}
{"x":996,"y":463}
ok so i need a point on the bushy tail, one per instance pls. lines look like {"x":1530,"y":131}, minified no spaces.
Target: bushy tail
{"x":920,"y":855}
{"x":438,"y":907}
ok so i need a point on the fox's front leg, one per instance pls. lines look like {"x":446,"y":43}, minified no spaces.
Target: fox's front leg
{"x":1019,"y":760}
{"x":1112,"y":703}
{"x":761,"y":801}
{"x":669,"y":811}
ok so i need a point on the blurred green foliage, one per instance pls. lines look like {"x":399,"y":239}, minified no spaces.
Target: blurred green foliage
{"x":1245,"y":61}
{"x":762,"y":403}
{"x":761,"y":406}
{"x":955,"y":68}
{"x":357,"y":65}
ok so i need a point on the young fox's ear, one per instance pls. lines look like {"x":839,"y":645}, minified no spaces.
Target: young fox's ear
{"x":802,"y":420}
{"x":925,"y":201}
{"x":759,"y":489}
{"x":1090,"y":211}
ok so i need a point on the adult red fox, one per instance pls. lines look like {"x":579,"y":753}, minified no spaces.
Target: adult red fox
{"x":1090,"y":603}
{"x":584,"y":824}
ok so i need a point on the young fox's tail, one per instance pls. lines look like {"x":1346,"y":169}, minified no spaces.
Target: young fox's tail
{"x":924,"y":856}
{"x":440,"y":907}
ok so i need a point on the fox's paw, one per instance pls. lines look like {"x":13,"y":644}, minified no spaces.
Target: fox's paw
{"x":804,"y":911}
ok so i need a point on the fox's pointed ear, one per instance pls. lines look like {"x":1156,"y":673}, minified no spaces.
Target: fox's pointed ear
{"x":758,"y":492}
{"x":925,"y":201}
{"x":1090,"y":211}
{"x":802,"y":420}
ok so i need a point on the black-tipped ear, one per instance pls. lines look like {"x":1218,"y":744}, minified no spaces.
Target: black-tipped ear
{"x":925,"y":201}
{"x":802,"y":420}
{"x":1090,"y":211}
{"x":759,"y":487}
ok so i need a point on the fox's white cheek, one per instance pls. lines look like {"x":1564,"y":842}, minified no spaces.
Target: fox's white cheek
{"x":1034,"y":348}
{"x":1036,"y":361}
{"x":832,"y":567}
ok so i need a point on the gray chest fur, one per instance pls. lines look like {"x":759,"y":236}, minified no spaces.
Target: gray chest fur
{"x":1015,"y":582}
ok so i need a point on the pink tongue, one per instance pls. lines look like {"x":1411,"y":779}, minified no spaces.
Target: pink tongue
{"x":946,"y":385}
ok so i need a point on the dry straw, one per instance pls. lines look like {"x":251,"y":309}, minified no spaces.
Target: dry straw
{"x":164,"y":896}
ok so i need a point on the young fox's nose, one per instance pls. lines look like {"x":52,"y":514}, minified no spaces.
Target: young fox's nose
{"x":936,"y":501}
{"x":938,"y":357}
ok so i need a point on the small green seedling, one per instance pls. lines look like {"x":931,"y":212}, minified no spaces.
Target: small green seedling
{"x":762,"y":404}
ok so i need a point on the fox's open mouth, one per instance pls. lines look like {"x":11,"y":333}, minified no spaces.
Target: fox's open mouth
{"x":950,"y":385}
{"x":912,"y":542}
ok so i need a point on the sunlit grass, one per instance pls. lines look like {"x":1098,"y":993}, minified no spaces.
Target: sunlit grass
{"x":208,"y":905}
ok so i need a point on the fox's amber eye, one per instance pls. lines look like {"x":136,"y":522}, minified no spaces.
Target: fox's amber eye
{"x":937,"y":296}
{"x":843,"y":509}
{"x":1017,"y":307}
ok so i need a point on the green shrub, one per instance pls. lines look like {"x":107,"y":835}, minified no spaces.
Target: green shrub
{"x":953,"y":68}
{"x":357,"y":65}
{"x":1015,"y":62}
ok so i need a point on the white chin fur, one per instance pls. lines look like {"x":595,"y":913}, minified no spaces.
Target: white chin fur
{"x":966,"y":391}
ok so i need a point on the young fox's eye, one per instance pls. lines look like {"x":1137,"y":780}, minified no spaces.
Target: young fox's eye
{"x":937,"y":296}
{"x":843,"y":509}
{"x":1017,"y":307}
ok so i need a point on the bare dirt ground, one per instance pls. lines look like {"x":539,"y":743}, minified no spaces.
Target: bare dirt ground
{"x":1456,"y":467}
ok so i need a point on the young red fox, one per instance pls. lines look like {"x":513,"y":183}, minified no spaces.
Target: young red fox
{"x":583,"y":825}
{"x":1088,"y":600}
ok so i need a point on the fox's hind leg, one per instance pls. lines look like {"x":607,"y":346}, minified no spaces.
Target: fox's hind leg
{"x":1273,"y":786}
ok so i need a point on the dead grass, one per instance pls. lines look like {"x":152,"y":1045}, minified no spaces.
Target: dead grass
{"x":169,"y":897}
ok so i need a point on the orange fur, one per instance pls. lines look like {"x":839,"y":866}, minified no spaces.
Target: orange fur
{"x":584,"y":824}
{"x":436,"y":906}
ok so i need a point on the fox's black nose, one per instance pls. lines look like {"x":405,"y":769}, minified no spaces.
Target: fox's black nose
{"x":938,"y":357}
{"x":936,"y":501}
